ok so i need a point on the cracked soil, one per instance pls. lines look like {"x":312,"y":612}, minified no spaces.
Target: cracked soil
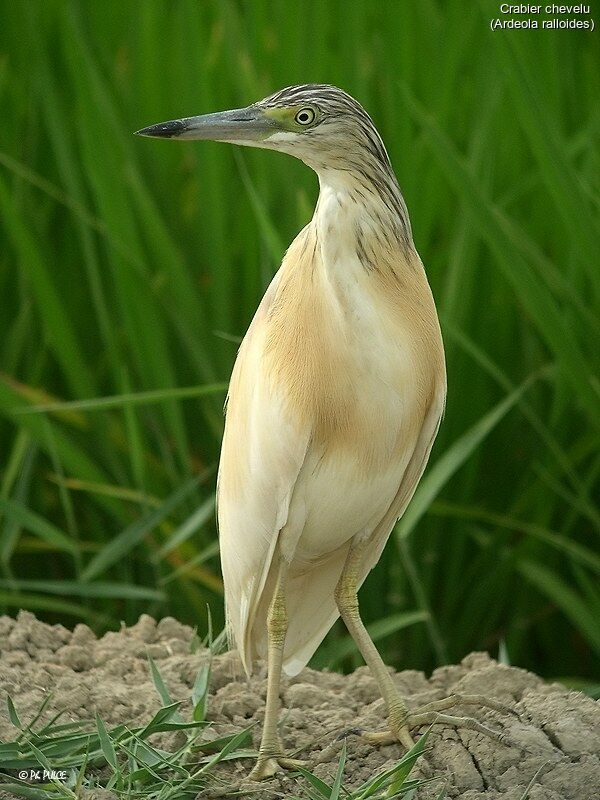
{"x":555,"y":737}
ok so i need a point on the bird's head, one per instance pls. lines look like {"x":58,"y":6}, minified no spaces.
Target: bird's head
{"x":320,"y":124}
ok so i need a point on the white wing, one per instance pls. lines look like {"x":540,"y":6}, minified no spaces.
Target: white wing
{"x":261,"y":456}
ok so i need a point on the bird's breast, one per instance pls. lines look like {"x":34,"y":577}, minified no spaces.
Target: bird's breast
{"x":352,"y":353}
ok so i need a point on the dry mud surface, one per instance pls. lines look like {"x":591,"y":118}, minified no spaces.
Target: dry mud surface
{"x":556,"y":735}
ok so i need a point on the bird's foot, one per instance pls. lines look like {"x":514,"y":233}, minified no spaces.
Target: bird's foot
{"x":267,"y":766}
{"x":433,"y":714}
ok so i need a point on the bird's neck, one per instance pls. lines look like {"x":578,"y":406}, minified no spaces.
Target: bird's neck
{"x":360,"y":216}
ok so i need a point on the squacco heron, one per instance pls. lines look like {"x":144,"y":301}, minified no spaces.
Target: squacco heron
{"x":334,"y":403}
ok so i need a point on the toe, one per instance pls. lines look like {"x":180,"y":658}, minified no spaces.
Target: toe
{"x":263,"y":769}
{"x":266,"y":767}
{"x":378,"y":738}
{"x":291,"y":763}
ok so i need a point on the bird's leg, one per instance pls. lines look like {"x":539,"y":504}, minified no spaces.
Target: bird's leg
{"x":347,"y":603}
{"x":270,"y":754}
{"x":400,"y":719}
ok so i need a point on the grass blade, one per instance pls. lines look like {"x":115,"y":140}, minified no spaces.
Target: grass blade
{"x":454,"y":457}
{"x":565,"y":597}
{"x":135,"y":533}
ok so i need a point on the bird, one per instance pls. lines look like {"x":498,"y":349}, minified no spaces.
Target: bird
{"x":334,"y":403}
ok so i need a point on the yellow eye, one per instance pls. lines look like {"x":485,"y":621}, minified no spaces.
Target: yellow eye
{"x":306,"y":116}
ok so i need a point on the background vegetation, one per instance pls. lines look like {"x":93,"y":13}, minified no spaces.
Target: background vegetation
{"x":129,"y":270}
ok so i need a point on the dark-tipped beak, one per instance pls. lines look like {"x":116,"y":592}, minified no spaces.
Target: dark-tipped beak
{"x":239,"y":125}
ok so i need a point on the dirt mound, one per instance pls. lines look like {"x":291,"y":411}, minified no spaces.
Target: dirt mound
{"x":555,"y":738}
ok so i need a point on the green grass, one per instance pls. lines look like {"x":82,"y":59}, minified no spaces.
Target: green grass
{"x":87,"y":754}
{"x":123,"y":758}
{"x":391,"y":783}
{"x":130,"y":269}
{"x":84,"y":754}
